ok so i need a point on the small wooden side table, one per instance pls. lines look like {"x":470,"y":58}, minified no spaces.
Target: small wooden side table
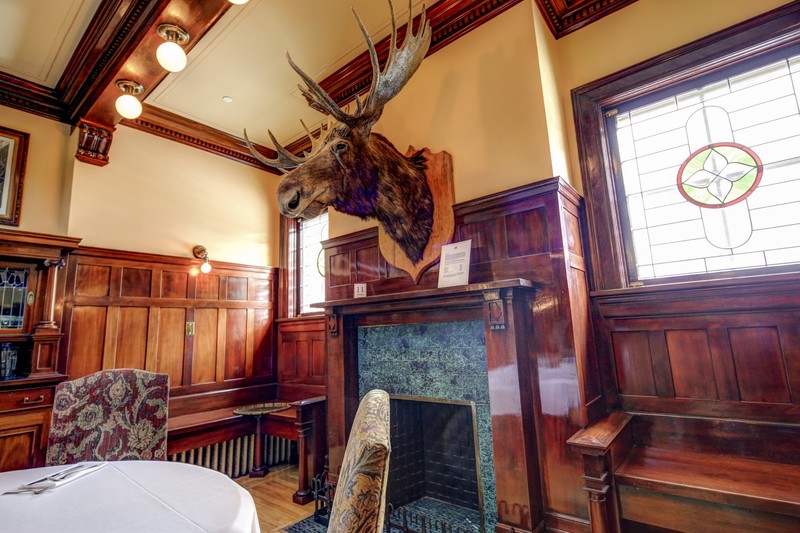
{"x":258,"y":411}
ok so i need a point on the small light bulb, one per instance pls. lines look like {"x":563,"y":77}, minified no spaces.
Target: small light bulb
{"x":227,"y":99}
{"x":128,"y":106}
{"x":205,"y":268}
{"x":238,"y":2}
{"x":171,"y":56}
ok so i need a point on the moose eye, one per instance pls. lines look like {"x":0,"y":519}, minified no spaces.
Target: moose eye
{"x":339,"y":147}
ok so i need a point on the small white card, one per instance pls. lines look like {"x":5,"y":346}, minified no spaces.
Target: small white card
{"x":359,"y":290}
{"x":454,"y":264}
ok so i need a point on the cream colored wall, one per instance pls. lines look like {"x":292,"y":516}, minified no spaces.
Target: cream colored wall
{"x":159,"y":196}
{"x":46,"y":183}
{"x":481,"y":100}
{"x":638,"y":32}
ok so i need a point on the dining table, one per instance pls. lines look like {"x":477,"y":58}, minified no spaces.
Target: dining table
{"x":124,"y":496}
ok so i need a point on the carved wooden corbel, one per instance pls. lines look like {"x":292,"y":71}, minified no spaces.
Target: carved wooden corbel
{"x":94,"y":142}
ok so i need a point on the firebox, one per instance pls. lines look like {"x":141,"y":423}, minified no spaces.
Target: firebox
{"x":435,"y":468}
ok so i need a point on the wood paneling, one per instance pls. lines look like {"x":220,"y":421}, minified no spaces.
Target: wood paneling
{"x":93,"y":280}
{"x":131,"y":337}
{"x":723,"y":357}
{"x":237,"y":288}
{"x":760,"y":366}
{"x":691,"y":364}
{"x":136,"y":282}
{"x":174,"y":284}
{"x":368,"y":264}
{"x":301,"y":351}
{"x":171,"y":322}
{"x":130,"y":309}
{"x":633,"y":363}
{"x":527,"y":233}
{"x":87,"y":337}
{"x":235,"y":345}
{"x":204,"y":355}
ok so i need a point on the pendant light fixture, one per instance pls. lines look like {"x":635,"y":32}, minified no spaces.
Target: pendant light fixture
{"x":128,"y":105}
{"x":169,"y":54}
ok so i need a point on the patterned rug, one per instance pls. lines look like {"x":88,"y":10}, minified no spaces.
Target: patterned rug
{"x":306,"y":525}
{"x":461,"y":519}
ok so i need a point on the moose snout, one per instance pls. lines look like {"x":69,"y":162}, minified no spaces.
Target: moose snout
{"x":294,"y":202}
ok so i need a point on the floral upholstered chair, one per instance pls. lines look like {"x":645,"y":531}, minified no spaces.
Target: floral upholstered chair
{"x":358,"y":506}
{"x":110,"y":415}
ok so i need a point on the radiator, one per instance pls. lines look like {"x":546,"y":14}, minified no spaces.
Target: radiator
{"x":234,"y":457}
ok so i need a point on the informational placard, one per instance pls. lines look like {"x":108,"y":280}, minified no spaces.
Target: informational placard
{"x":454,"y":264}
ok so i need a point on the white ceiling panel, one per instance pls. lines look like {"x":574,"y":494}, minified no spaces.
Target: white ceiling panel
{"x":38,"y":37}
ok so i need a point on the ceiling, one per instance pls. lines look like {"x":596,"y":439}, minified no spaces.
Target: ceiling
{"x":60,"y":59}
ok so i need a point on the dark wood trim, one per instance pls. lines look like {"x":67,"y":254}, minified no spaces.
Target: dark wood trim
{"x":565,"y":17}
{"x":774,"y":30}
{"x":107,"y":253}
{"x":176,"y":128}
{"x":30,"y":97}
{"x":113,"y":35}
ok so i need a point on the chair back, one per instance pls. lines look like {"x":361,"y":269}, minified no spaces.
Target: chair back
{"x":359,"y":504}
{"x":110,"y":415}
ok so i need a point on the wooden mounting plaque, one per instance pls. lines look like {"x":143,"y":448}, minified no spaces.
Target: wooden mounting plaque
{"x":440,"y":179}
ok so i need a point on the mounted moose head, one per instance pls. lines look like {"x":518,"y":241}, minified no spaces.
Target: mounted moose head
{"x":354,"y":170}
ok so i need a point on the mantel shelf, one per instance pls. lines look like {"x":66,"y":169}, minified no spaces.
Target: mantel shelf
{"x":423,"y":298}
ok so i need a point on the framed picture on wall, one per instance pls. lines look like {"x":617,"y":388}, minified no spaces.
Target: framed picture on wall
{"x":13,"y":153}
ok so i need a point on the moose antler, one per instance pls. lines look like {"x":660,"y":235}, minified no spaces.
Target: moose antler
{"x":400,"y":66}
{"x":286,"y":159}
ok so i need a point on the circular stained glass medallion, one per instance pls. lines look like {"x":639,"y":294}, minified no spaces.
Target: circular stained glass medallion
{"x":719,"y":175}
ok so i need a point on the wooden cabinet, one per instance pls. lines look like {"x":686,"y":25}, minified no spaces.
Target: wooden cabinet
{"x":31,"y":302}
{"x":24,"y":421}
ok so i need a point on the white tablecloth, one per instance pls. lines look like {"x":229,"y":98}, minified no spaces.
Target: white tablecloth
{"x":129,"y":496}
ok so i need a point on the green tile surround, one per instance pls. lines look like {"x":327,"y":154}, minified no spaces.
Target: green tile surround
{"x":445,"y":360}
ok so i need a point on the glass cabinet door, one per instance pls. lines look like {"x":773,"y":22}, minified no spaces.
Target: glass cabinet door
{"x":17,"y":285}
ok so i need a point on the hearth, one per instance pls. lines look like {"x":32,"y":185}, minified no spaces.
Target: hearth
{"x":434,"y":471}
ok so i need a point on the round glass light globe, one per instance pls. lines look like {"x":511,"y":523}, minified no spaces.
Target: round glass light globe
{"x":128,"y":106}
{"x":205,"y":268}
{"x":171,"y":56}
{"x":238,"y":2}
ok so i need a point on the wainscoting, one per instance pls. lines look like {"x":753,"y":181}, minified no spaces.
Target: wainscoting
{"x":207,"y":331}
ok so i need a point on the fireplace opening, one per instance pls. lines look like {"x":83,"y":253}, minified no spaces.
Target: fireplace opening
{"x":434,"y":467}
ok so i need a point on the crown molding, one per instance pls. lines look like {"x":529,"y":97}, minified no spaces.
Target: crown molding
{"x":566,"y":16}
{"x":180,"y":129}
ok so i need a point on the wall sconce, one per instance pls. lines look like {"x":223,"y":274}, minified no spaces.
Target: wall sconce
{"x":128,"y":105}
{"x":169,"y":54}
{"x":200,"y":252}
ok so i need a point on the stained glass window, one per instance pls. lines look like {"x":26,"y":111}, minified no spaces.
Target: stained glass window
{"x":709,"y":178}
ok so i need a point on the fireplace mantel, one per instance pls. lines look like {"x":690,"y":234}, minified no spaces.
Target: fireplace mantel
{"x":448,"y":299}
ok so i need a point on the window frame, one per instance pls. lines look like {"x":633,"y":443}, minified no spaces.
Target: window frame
{"x":290,"y":262}
{"x":776,"y":31}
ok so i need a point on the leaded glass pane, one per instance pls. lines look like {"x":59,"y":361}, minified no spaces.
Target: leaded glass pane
{"x":13,"y":291}
{"x":711,"y":176}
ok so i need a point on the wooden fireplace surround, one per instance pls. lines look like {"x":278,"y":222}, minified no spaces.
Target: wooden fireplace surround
{"x":504,"y":306}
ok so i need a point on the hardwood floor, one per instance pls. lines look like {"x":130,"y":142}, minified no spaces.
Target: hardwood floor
{"x":273,"y":496}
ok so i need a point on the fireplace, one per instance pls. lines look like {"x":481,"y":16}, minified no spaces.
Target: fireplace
{"x":437,"y":377}
{"x":466,"y":345}
{"x":434,"y":467}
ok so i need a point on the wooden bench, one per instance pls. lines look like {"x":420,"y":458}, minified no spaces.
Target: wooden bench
{"x":690,"y":474}
{"x":203,"y":419}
